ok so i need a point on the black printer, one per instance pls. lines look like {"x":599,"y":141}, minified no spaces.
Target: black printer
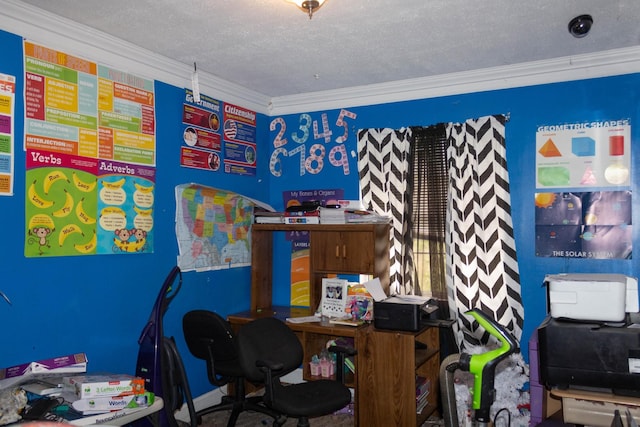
{"x":591,"y":355}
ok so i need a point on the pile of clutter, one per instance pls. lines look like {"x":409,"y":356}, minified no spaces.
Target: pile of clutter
{"x":511,"y":380}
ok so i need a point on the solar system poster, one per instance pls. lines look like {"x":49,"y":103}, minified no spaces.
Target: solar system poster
{"x":583,"y":196}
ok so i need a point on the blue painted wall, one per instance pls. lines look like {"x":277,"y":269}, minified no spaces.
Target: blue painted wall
{"x":601,"y":99}
{"x":99,"y":304}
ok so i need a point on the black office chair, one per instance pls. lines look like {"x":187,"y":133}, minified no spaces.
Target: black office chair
{"x":209,"y":337}
{"x":267,"y":350}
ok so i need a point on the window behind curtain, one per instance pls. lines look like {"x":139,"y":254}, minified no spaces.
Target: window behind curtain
{"x":429,"y":184}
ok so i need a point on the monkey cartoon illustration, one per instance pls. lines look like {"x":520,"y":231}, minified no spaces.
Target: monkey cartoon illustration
{"x":41,"y":236}
{"x":139,"y":234}
{"x":123,"y":234}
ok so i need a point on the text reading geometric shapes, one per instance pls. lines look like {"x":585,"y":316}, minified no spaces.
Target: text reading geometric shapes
{"x":549,"y":149}
{"x":616,"y":145}
{"x":583,"y":146}
{"x":549,"y":176}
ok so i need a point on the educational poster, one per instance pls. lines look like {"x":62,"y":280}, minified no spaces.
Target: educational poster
{"x":201,"y":136}
{"x":90,"y":150}
{"x":7,"y":105}
{"x":125,"y":207}
{"x":239,"y":127}
{"x":300,"y":267}
{"x":583,"y":155}
{"x":213,"y":228}
{"x":312,"y":146}
{"x":583,"y":201}
{"x":595,"y":225}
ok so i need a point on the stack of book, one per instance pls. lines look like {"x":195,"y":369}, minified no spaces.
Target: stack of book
{"x":423,"y":387}
{"x":332,"y":216}
{"x":311,"y":216}
{"x":362,"y":216}
{"x":267,"y":217}
{"x":97,"y":394}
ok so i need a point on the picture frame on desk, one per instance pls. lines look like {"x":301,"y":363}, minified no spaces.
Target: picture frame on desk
{"x":334,"y":297}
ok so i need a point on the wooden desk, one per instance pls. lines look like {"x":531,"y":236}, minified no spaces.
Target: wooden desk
{"x":594,"y":408}
{"x":386,"y":365}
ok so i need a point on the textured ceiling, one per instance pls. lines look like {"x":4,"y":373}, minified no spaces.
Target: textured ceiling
{"x":272,"y":47}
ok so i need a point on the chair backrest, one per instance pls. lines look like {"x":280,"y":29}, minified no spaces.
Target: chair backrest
{"x":210,"y":337}
{"x":268,"y":339}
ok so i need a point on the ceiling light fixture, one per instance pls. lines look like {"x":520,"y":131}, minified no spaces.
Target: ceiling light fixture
{"x":308,"y":6}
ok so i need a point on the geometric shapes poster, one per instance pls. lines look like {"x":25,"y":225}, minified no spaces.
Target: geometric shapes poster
{"x":90,"y":157}
{"x":582,"y":156}
{"x":583,"y":204}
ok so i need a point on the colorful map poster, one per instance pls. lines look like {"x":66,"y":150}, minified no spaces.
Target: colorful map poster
{"x":213,"y":228}
{"x":90,"y":150}
{"x":7,"y":105}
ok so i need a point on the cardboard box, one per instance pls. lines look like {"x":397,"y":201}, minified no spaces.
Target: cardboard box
{"x":106,"y":385}
{"x":73,"y":363}
{"x":113,"y":403}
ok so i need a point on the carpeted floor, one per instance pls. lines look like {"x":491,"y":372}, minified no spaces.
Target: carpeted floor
{"x":255,"y":419}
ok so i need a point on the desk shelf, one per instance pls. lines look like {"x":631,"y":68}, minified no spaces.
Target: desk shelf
{"x":333,"y":249}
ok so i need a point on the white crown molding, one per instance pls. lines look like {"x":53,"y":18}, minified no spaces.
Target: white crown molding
{"x":47,"y":29}
{"x":579,"y":67}
{"x":44,"y":28}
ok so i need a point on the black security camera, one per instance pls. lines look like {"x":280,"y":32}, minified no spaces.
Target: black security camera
{"x":580,"y":25}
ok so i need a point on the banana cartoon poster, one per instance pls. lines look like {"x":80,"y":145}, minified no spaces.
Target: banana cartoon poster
{"x":90,"y":157}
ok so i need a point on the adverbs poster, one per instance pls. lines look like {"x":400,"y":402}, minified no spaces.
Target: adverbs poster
{"x":7,"y":105}
{"x":201,"y":148}
{"x":300,"y":279}
{"x":583,"y":202}
{"x":90,"y":157}
{"x":239,"y":140}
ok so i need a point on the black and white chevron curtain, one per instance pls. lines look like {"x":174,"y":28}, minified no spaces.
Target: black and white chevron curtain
{"x":383,"y":165}
{"x":482,"y":267}
{"x":481,"y":250}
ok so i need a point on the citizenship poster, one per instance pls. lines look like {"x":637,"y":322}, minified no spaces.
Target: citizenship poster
{"x":201,"y":136}
{"x":90,"y":157}
{"x":7,"y":105}
{"x":239,"y":129}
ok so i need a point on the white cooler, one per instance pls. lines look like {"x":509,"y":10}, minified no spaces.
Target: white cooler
{"x":597,"y":297}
